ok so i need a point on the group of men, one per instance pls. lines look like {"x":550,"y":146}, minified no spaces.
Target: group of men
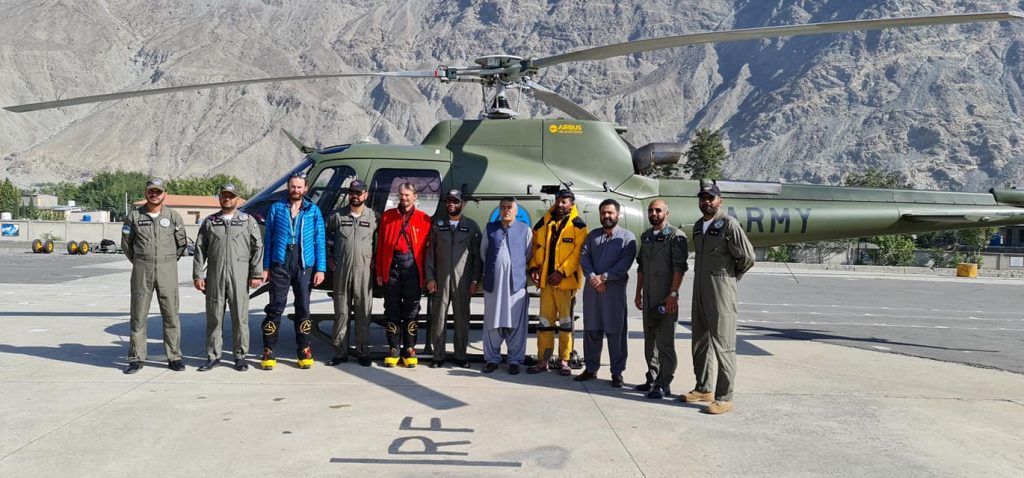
{"x":405,"y":251}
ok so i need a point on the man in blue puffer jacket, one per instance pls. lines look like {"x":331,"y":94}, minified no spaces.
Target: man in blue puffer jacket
{"x":295,"y":256}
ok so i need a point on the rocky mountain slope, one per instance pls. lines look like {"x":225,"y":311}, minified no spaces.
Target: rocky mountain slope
{"x":940,"y":103}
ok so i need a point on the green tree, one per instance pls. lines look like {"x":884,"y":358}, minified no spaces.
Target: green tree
{"x":106,"y":191}
{"x":206,"y":186}
{"x":64,"y":191}
{"x":706,"y":155}
{"x":896,"y":250}
{"x":10,"y":198}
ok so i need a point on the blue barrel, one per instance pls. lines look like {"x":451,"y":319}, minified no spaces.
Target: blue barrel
{"x":86,"y":218}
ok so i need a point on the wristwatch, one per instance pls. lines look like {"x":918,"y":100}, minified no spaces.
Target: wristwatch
{"x":674,"y":294}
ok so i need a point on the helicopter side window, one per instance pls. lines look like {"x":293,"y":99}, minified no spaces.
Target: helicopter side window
{"x":329,"y":187}
{"x":384,"y":189}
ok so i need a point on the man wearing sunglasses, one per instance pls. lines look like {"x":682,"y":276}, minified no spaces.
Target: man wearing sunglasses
{"x":661,"y":264}
{"x":295,"y":258}
{"x":153,"y":239}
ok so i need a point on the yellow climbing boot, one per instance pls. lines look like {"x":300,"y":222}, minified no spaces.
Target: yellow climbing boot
{"x":268,"y":361}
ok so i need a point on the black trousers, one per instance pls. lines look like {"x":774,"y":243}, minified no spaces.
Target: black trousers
{"x":289,"y":275}
{"x":402,"y":302}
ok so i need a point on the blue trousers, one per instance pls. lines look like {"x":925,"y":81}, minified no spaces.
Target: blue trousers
{"x":290,"y":275}
{"x":515,"y":341}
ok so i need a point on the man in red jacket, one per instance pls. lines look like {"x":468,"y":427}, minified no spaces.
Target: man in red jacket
{"x":401,"y":245}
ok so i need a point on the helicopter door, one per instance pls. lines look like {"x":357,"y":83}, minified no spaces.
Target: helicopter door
{"x":384,"y":188}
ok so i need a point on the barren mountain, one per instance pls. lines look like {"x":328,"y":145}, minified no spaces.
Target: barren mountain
{"x":938,"y":103}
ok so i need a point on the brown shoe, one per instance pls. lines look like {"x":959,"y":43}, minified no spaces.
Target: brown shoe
{"x":718,"y":408}
{"x":540,"y":367}
{"x":694,"y":396}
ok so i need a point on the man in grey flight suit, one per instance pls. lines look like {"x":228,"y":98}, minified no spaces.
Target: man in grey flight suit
{"x":351,"y":235}
{"x":153,"y":239}
{"x":723,"y":255}
{"x":228,"y":261}
{"x":661,"y":264}
{"x":452,"y":270}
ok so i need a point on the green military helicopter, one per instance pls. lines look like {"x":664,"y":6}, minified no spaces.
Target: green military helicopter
{"x":530,"y":159}
{"x":499,"y":156}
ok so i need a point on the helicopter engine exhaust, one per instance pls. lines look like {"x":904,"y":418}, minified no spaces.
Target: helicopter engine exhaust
{"x":656,"y":154}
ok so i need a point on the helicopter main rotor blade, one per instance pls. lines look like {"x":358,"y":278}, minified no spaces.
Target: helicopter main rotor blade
{"x":45,"y":105}
{"x":627,"y":48}
{"x":560,"y":102}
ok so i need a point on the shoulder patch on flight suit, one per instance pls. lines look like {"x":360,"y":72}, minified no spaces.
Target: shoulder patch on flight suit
{"x":242,"y":216}
{"x":126,"y":229}
{"x":164,"y":222}
{"x":579,"y":223}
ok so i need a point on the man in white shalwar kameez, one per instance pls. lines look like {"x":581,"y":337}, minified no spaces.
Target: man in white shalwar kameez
{"x":505,"y":249}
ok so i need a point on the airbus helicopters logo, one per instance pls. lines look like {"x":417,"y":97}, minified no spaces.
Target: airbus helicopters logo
{"x":566,"y":129}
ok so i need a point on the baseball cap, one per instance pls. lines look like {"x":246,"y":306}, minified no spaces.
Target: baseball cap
{"x":156,"y":183}
{"x":707,"y":187}
{"x":357,"y":185}
{"x":228,"y":188}
{"x":565,"y":193}
{"x":454,"y":194}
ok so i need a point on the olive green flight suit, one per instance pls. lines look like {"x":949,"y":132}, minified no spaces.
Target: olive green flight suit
{"x":353,"y":241}
{"x":723,"y":255}
{"x":153,"y":245}
{"x":228,"y":253}
{"x":662,"y":254}
{"x":453,"y":261}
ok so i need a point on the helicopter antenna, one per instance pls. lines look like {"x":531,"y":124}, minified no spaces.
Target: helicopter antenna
{"x":369,"y":138}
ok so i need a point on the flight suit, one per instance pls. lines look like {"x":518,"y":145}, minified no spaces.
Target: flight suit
{"x":453,"y":261}
{"x":662,"y":254}
{"x":153,"y":245}
{"x":352,"y":240}
{"x":723,"y":255}
{"x":228,"y":253}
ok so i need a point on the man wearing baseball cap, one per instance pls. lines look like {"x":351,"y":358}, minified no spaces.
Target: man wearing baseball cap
{"x":153,"y":239}
{"x":723,"y":255}
{"x":452,"y":271}
{"x":228,"y":261}
{"x":351,"y":240}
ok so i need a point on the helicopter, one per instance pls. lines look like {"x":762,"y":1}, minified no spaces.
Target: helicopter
{"x":500,"y":156}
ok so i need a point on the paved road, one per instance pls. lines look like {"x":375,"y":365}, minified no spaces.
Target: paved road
{"x":23,"y":267}
{"x":972,"y":321}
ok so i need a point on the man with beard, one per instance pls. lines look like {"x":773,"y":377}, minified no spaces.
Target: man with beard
{"x":606,"y":258}
{"x":153,"y":239}
{"x":723,"y":255}
{"x":452,"y":271}
{"x":554,"y":268}
{"x":400,"y":249}
{"x":228,"y":262}
{"x":295,"y":257}
{"x":661,"y":264}
{"x":505,"y":248}
{"x":351,"y":235}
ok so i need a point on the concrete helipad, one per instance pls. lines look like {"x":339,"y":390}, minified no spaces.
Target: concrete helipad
{"x":803,"y":407}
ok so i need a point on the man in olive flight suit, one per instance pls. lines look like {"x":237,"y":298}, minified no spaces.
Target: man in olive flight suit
{"x":452,"y":270}
{"x":153,"y":239}
{"x":351,"y":235}
{"x":228,"y":261}
{"x":661,"y":264}
{"x":723,"y":255}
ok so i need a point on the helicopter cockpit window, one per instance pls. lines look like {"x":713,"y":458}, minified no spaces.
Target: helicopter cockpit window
{"x":330,"y":186}
{"x":384,"y":189}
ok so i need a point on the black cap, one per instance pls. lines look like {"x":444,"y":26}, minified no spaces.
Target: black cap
{"x":156,"y":183}
{"x":710,"y":188}
{"x":454,"y":194}
{"x":357,"y":185}
{"x":565,"y":193}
